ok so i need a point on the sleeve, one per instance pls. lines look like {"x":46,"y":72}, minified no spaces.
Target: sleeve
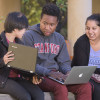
{"x":80,"y":57}
{"x":42,"y":70}
{"x":63,"y":59}
{"x":28,"y":40}
{"x":2,"y":64}
{"x":76,"y":50}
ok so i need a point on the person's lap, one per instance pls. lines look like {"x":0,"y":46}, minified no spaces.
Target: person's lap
{"x":35,"y":92}
{"x":22,"y":90}
{"x":48,"y":85}
{"x":81,"y":91}
{"x":60,"y":91}
{"x":96,"y":90}
{"x":16,"y":90}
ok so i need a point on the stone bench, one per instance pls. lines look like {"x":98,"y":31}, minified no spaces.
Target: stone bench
{"x":48,"y":96}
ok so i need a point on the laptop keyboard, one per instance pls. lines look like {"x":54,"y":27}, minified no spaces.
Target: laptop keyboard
{"x":60,"y":81}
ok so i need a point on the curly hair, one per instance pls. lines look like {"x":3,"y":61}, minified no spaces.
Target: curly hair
{"x":51,"y":9}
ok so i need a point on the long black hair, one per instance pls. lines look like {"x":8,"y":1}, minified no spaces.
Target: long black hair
{"x":95,"y":17}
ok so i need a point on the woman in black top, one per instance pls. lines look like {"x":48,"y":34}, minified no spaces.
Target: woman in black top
{"x":87,"y":51}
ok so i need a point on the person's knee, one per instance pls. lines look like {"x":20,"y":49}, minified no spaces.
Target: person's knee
{"x":61,"y":88}
{"x":25,"y":96}
{"x":87,"y":88}
{"x":38,"y":96}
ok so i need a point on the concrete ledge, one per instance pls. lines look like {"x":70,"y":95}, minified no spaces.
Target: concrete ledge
{"x":48,"y":96}
{"x":71,"y":96}
{"x":6,"y":97}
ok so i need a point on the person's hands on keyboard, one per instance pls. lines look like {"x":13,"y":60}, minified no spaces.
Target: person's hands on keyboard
{"x":66,"y":75}
{"x":57,"y":75}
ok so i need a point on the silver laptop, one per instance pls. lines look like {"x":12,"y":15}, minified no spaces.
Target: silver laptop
{"x":78,"y":75}
{"x":25,"y":57}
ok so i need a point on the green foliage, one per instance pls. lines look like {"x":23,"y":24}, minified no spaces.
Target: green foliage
{"x":32,"y":10}
{"x":2,"y":18}
{"x":62,"y":4}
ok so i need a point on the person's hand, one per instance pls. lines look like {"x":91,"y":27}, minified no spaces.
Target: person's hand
{"x":66,"y":75}
{"x":57,"y":75}
{"x":36,"y":79}
{"x":9,"y":56}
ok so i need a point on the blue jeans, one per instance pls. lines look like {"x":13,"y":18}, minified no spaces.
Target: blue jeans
{"x":22,"y":90}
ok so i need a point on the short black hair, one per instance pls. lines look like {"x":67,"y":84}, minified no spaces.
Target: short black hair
{"x":95,"y":17}
{"x":51,"y":9}
{"x":15,"y":20}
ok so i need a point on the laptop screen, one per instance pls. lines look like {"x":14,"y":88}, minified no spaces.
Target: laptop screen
{"x":25,"y":57}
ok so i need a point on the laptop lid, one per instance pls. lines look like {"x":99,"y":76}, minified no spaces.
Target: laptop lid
{"x":78,"y":75}
{"x":25,"y":57}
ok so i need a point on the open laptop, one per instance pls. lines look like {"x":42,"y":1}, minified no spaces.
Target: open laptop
{"x":25,"y":57}
{"x":78,"y":75}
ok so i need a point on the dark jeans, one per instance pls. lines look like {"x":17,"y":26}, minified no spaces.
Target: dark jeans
{"x":96,"y":90}
{"x":82,"y":91}
{"x":22,"y":90}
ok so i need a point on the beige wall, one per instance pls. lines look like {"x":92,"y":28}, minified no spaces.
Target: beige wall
{"x":78,"y":11}
{"x":95,"y":6}
{"x":7,"y":6}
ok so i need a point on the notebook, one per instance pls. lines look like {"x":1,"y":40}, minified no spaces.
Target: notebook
{"x":25,"y":57}
{"x":78,"y":75}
